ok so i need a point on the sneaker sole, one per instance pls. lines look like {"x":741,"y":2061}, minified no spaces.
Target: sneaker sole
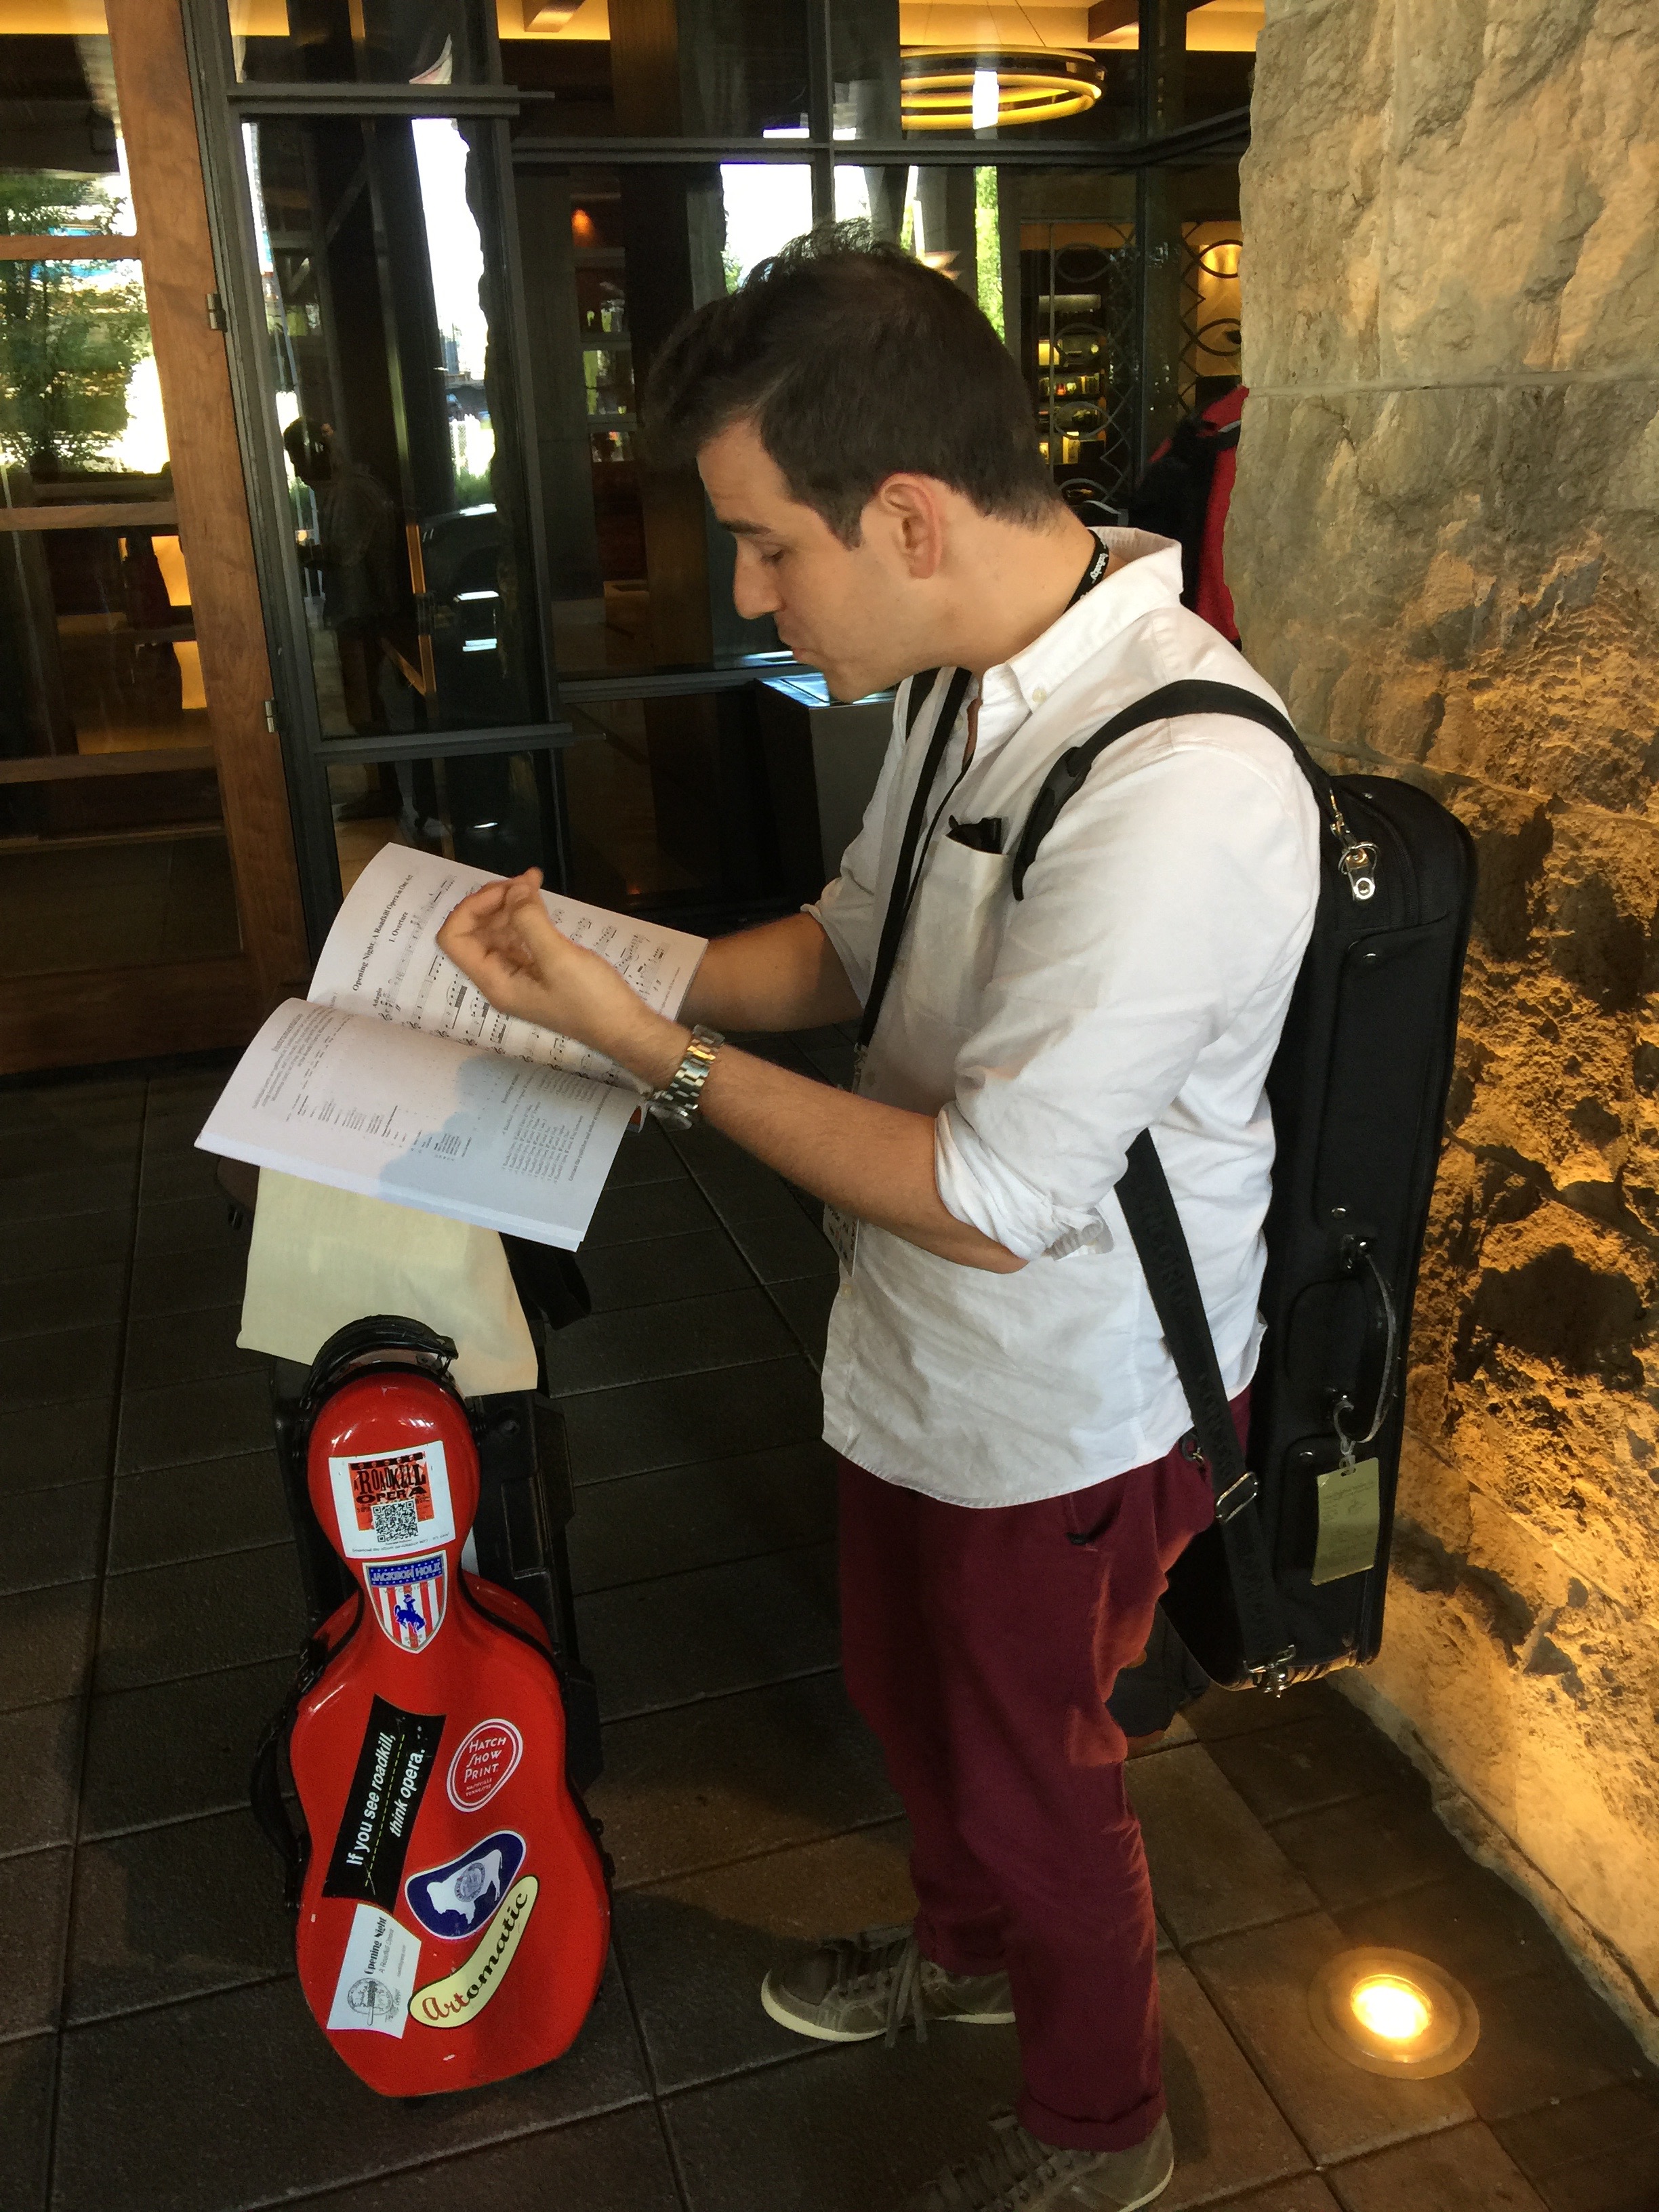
{"x":1153,"y":2194}
{"x":797,"y":2026}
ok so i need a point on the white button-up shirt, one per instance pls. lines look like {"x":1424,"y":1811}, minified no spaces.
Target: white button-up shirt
{"x":1140,"y":983}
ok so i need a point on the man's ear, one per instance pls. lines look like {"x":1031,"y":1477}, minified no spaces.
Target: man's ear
{"x":908,"y":513}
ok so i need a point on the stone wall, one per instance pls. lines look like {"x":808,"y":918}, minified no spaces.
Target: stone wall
{"x":1444,"y":549}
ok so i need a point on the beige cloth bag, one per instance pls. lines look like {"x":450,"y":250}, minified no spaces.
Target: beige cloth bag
{"x":320,"y":1258}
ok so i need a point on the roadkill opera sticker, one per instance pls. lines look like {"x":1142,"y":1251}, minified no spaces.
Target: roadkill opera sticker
{"x":458,"y":2000}
{"x":487,"y":1755}
{"x":455,"y":1899}
{"x":394,"y":1766}
{"x":377,"y":1974}
{"x":387,"y":1502}
{"x":409,"y":1598}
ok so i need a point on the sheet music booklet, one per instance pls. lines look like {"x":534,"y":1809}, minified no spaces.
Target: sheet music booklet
{"x":395,"y":1078}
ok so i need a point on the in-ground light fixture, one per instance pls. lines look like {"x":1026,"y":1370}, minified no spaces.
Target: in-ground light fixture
{"x":1391,"y":2011}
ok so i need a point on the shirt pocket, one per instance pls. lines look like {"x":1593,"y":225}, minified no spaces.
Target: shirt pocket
{"x":955,"y":932}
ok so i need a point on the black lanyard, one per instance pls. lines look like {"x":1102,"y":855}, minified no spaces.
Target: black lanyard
{"x":906,"y":876}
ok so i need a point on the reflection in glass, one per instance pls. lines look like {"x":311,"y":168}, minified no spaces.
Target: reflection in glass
{"x":1207,"y":66}
{"x":705,"y":69}
{"x":902,"y":68}
{"x":426,"y":42}
{"x":112,"y":851}
{"x":61,"y":162}
{"x":666,"y":804}
{"x":494,"y":811}
{"x":640,"y":575}
{"x":408,"y":520}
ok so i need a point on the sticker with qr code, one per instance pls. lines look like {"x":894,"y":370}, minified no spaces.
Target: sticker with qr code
{"x":390,"y":1501}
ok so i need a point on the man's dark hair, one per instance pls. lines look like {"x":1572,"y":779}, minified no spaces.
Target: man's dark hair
{"x":855,"y":362}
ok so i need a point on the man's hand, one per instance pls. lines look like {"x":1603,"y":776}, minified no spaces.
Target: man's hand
{"x":874,"y":1161}
{"x":503,"y":942}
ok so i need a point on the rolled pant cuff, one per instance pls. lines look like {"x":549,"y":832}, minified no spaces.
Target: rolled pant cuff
{"x":1068,"y":2134}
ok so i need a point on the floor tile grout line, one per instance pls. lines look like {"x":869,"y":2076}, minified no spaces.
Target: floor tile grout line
{"x":152,"y":2007}
{"x":679,"y":1466}
{"x":94,"y":1634}
{"x":730,"y":1231}
{"x":712,"y":1567}
{"x":757,"y":1858}
{"x":717,"y":1697}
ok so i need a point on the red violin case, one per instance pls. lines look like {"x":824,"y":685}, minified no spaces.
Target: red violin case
{"x":453,"y":1912}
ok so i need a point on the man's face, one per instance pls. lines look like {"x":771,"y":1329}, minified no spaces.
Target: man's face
{"x":846,"y":608}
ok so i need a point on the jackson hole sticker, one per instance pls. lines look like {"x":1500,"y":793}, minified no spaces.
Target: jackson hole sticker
{"x":393,"y":1768}
{"x":454,"y":1900}
{"x":387,"y":1502}
{"x":458,"y":2000}
{"x":487,"y":1755}
{"x":408,"y":1597}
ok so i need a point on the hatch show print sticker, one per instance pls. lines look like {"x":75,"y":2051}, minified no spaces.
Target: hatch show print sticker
{"x":487,"y":1755}
{"x":458,"y":2000}
{"x":390,"y":1501}
{"x":455,"y":1899}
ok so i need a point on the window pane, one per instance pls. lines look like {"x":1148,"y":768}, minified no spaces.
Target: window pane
{"x":491,"y":810}
{"x":659,"y":69}
{"x":396,"y":410}
{"x":432,"y":42}
{"x":1207,"y":66}
{"x":670,"y":808}
{"x":909,"y":68}
{"x":61,"y":162}
{"x":1049,"y":256}
{"x":640,"y":574}
{"x":113,"y":849}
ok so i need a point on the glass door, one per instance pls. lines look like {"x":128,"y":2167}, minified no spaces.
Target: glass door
{"x":146,"y":889}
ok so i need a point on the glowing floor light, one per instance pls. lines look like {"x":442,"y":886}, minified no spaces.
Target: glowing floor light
{"x":1391,"y":2008}
{"x":1392,"y":2013}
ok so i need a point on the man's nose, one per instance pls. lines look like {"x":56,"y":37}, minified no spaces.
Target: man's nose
{"x":753,"y":592}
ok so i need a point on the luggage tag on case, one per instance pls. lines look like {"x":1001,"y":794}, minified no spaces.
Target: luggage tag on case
{"x":1350,"y":1520}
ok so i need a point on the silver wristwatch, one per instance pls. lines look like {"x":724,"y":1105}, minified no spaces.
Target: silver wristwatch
{"x":681,"y":1095}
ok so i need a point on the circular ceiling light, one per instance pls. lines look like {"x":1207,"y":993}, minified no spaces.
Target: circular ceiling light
{"x":942,"y":90}
{"x":1391,"y":2011}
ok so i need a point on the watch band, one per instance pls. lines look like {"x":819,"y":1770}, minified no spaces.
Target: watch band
{"x":681,"y":1095}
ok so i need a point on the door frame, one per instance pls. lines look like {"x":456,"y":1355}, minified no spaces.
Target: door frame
{"x":79,"y":1017}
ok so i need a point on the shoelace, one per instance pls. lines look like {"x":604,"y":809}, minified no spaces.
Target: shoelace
{"x":889,"y":1954}
{"x":1011,"y":2173}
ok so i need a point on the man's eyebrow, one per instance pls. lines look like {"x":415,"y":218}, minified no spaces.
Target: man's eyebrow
{"x":740,"y":529}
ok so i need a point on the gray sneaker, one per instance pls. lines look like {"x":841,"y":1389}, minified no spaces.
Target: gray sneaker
{"x":1020,"y":2174}
{"x":857,"y":1987}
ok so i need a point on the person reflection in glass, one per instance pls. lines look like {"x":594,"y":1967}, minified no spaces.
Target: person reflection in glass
{"x":354,"y":558}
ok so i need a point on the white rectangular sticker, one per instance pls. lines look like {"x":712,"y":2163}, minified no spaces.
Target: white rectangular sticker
{"x":390,"y":1502}
{"x":377,"y":1974}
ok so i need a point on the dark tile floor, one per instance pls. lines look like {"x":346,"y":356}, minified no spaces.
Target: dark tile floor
{"x":153,"y":2050}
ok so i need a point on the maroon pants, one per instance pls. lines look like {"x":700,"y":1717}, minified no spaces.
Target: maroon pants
{"x":981,"y":1645}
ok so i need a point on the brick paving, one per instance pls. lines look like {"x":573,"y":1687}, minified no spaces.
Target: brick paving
{"x":154,"y":2051}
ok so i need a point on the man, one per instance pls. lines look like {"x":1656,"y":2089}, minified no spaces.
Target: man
{"x":1012,"y":1483}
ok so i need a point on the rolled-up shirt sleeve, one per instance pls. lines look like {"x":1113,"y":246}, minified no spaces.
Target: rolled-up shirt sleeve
{"x":1176,"y":889}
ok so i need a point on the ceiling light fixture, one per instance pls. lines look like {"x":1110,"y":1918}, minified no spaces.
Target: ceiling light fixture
{"x":942,"y":90}
{"x":1391,"y":2011}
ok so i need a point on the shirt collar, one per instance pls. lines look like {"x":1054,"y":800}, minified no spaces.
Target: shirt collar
{"x":1146,"y":576}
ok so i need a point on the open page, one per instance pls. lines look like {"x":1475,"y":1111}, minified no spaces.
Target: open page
{"x":425,"y":1121}
{"x":382,"y":959}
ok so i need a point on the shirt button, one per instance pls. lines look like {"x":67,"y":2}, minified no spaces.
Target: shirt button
{"x":1039,"y":695}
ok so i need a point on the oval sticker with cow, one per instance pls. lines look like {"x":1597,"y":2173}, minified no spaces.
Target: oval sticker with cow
{"x":455,"y":1900}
